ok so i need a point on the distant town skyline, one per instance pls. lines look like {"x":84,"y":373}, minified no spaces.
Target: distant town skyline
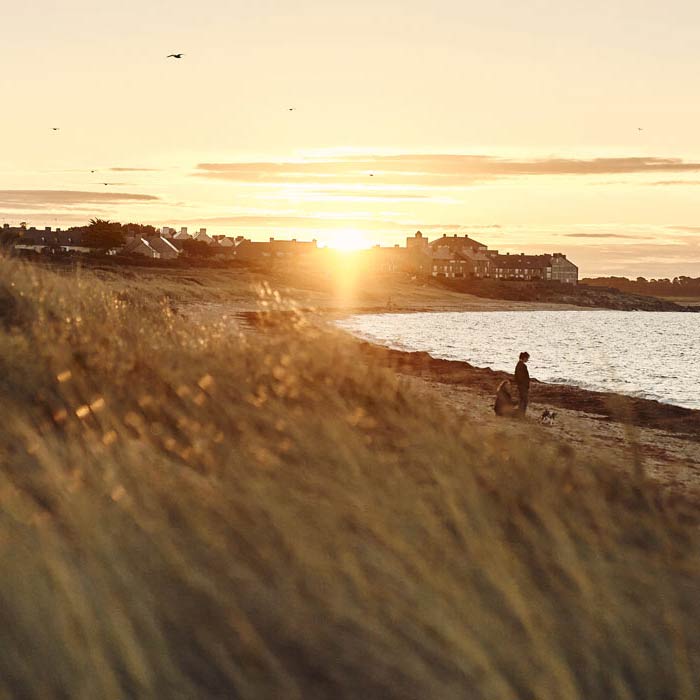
{"x":572,"y":128}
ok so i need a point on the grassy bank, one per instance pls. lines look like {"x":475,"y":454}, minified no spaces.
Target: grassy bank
{"x":186,"y":511}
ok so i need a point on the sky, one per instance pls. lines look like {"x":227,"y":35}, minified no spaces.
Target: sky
{"x":547,"y":126}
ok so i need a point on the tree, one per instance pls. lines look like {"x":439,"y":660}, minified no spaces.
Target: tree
{"x":144,"y":230}
{"x":197,"y":249}
{"x":102,"y":233}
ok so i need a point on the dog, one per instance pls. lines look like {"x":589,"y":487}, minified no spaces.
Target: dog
{"x":547,"y":417}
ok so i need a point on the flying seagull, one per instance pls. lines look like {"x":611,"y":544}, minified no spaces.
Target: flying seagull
{"x":291,"y":109}
{"x":639,"y":128}
{"x":55,"y":128}
{"x":175,"y":55}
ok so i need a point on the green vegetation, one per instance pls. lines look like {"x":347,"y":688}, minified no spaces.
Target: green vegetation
{"x":189,"y":511}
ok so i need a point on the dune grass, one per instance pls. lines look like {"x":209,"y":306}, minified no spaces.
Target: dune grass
{"x":188,"y":511}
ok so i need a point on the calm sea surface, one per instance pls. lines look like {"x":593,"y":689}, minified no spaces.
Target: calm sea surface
{"x":652,"y":355}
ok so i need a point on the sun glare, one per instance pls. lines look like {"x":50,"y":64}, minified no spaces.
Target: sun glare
{"x":347,"y":240}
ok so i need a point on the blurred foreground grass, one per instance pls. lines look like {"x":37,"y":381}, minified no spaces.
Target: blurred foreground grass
{"x":189,"y":512}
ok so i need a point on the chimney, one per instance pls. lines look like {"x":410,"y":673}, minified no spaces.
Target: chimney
{"x":272,"y":240}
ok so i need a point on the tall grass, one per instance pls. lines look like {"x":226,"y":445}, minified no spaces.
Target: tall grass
{"x":187,"y":511}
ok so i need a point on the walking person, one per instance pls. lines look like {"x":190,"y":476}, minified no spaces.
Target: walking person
{"x":522,"y":380}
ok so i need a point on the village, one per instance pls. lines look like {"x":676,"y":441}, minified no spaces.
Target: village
{"x":455,"y":256}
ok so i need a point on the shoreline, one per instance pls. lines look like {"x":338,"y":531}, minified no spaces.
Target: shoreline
{"x":662,"y":441}
{"x":607,"y":405}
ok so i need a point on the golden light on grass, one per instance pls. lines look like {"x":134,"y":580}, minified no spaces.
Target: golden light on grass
{"x":366,"y":541}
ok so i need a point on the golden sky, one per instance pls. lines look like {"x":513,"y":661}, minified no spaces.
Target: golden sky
{"x":543,"y":126}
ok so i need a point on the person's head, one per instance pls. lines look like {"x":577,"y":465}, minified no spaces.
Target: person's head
{"x":524,"y":356}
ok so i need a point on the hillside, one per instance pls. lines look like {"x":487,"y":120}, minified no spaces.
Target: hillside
{"x":582,"y":295}
{"x":191,"y":510}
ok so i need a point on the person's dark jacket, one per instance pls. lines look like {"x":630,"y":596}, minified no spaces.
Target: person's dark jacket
{"x":522,"y":377}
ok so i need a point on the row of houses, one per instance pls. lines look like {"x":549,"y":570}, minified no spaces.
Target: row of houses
{"x":463,"y":257}
{"x":448,"y":256}
{"x":165,"y":244}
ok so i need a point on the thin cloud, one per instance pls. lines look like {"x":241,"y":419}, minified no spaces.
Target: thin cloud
{"x":321,"y":223}
{"x":135,"y":170}
{"x":607,"y":235}
{"x":431,"y":170}
{"x":671,"y":183}
{"x":291,"y":221}
{"x":46,"y":199}
{"x":348,"y":195}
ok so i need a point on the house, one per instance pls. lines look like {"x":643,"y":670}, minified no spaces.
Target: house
{"x":183,"y":235}
{"x":140,"y":246}
{"x":225,"y":241}
{"x":458,"y":243}
{"x":521,"y":267}
{"x":203,"y":236}
{"x":272,"y":249}
{"x":563,"y":270}
{"x":419,"y":254}
{"x":554,"y":267}
{"x":480,"y":262}
{"x":48,"y":241}
{"x":388,"y":259}
{"x":165,"y":249}
{"x":449,"y":263}
{"x":470,"y":256}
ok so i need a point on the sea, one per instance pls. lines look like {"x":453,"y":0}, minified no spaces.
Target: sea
{"x":644,"y":354}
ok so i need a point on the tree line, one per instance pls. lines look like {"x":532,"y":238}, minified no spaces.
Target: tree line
{"x":681,"y":286}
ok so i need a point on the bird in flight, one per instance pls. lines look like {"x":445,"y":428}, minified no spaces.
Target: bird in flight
{"x":639,"y":128}
{"x":291,"y":109}
{"x":175,"y":55}
{"x":55,"y":128}
{"x":371,"y":174}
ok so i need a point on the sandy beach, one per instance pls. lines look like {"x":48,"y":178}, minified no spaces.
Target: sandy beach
{"x":660,"y":439}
